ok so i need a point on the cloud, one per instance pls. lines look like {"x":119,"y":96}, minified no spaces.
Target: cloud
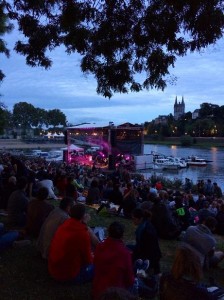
{"x":199,"y":79}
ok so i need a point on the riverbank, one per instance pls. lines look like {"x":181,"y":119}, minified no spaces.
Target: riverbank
{"x":13,"y":144}
{"x":202,"y":142}
{"x":199,"y":142}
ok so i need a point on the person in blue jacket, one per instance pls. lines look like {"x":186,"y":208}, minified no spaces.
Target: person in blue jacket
{"x":7,"y":237}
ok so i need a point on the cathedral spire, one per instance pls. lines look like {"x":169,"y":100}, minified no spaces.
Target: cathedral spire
{"x":179,"y":108}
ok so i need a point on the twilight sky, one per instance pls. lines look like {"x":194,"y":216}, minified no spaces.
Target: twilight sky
{"x":199,"y":79}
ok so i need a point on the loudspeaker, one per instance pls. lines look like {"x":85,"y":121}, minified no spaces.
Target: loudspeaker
{"x":113,"y":138}
{"x":111,"y":162}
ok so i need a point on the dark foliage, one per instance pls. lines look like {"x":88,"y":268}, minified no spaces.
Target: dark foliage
{"x":118,"y":39}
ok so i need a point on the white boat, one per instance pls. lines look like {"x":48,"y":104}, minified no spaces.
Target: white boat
{"x":169,"y":162}
{"x":181,"y":163}
{"x":196,"y":161}
{"x":55,"y":155}
{"x":165,"y":164}
{"x":36,"y":153}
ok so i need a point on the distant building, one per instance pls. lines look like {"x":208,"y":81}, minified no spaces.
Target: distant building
{"x":195,"y":114}
{"x":161,"y":120}
{"x":179,"y":109}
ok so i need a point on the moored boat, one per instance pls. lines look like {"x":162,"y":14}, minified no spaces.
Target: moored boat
{"x":169,"y":162}
{"x":165,"y":164}
{"x":196,"y":161}
{"x":55,"y":155}
{"x":181,"y":163}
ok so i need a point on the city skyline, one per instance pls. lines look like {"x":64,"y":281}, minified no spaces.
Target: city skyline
{"x":199,"y":79}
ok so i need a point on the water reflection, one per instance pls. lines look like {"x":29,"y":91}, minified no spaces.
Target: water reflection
{"x":214,"y":170}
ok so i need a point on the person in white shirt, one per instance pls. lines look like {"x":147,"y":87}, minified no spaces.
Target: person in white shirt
{"x":48,"y":183}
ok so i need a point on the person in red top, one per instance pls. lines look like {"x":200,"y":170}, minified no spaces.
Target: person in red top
{"x":112,"y":263}
{"x":70,"y":257}
{"x":159,"y":186}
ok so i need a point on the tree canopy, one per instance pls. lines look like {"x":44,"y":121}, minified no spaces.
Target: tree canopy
{"x":4,"y":117}
{"x":25,"y":115}
{"x":117,"y":39}
{"x":5,"y":27}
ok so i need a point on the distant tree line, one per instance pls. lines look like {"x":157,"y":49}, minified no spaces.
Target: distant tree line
{"x":209,"y":123}
{"x":25,"y":116}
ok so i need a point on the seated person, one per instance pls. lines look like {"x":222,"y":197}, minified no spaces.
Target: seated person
{"x":183,"y":283}
{"x":70,"y":189}
{"x":37,"y":212}
{"x":129,"y":203}
{"x":93,"y":196}
{"x":201,"y":238}
{"x":70,"y":258}
{"x":54,"y":220}
{"x":220,"y":220}
{"x":164,"y":221}
{"x":8,"y":187}
{"x":48,"y":183}
{"x":147,"y":244}
{"x":115,"y":197}
{"x":112,"y":262}
{"x":51,"y":224}
{"x":205,"y":212}
{"x":7,"y":237}
{"x":18,"y":203}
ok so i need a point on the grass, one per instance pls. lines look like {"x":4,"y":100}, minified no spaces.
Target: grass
{"x":24,"y":276}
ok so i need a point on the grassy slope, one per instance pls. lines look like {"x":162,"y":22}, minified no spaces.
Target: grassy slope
{"x":23,"y":274}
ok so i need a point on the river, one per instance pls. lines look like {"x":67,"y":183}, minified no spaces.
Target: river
{"x":214,"y":170}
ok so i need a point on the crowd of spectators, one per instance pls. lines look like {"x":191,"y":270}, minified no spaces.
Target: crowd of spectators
{"x":29,"y":187}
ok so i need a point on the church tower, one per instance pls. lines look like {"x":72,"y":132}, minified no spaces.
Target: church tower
{"x":179,"y":108}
